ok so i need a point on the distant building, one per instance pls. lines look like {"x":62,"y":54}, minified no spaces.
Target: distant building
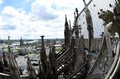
{"x":1,"y":53}
{"x":21,"y":42}
{"x":1,"y":41}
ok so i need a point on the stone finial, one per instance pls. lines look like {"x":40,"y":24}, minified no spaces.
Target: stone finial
{"x":76,"y":10}
{"x":42,"y":40}
{"x":66,"y":22}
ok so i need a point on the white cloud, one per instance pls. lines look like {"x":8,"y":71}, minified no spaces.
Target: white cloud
{"x":45,"y":18}
{"x":1,"y":1}
{"x":25,"y":25}
{"x":17,"y":18}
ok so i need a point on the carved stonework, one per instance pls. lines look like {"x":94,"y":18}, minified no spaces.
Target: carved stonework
{"x":89,"y":24}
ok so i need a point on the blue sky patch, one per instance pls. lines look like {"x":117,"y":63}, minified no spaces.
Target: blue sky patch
{"x":8,"y":27}
{"x":55,"y":7}
{"x":26,"y":5}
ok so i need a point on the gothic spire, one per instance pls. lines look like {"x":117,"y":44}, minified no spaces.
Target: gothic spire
{"x":43,"y":56}
{"x":66,"y":33}
{"x":66,"y":22}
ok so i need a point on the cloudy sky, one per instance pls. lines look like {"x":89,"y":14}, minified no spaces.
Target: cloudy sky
{"x":30,"y":19}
